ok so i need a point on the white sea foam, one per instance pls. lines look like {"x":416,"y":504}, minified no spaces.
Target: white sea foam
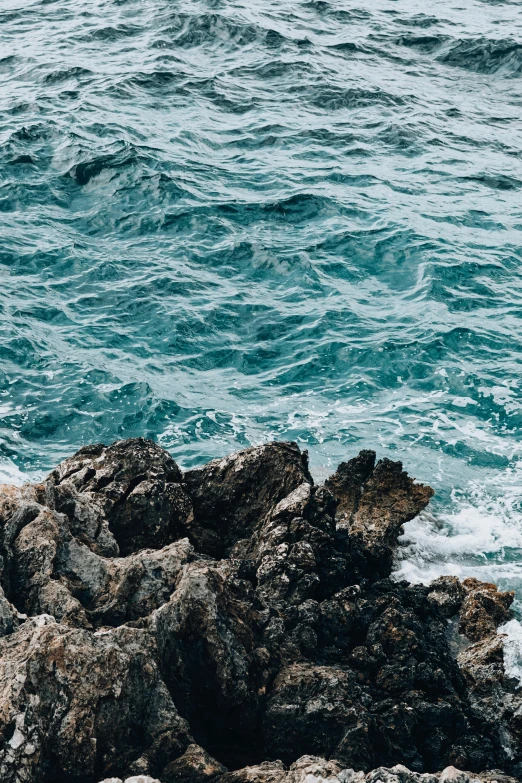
{"x":11,"y":474}
{"x":513,"y":648}
{"x":480,"y":537}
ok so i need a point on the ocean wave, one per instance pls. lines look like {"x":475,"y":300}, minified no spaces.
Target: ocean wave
{"x":494,"y":181}
{"x":485,"y":56}
{"x":225,"y":224}
{"x":194,"y":30}
{"x":11,"y":474}
{"x":423,"y":43}
{"x":330,"y":98}
{"x":480,"y":536}
{"x":111,"y":33}
{"x":85,"y":171}
{"x":75,"y":72}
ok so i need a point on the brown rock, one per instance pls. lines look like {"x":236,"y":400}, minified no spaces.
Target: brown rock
{"x":194,"y":766}
{"x":484,"y":609}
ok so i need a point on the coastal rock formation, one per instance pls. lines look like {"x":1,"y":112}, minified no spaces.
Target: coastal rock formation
{"x":238,"y":623}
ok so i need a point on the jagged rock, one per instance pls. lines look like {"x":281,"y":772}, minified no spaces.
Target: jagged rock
{"x":213,"y":658}
{"x":483,"y":662}
{"x":332,"y":719}
{"x":495,"y":698}
{"x":194,"y":766}
{"x":399,"y":774}
{"x":127,"y":496}
{"x":49,"y":570}
{"x":294,"y":551}
{"x":484,"y":608}
{"x":127,"y":648}
{"x":231,"y":495}
{"x":448,"y":593}
{"x":9,"y":617}
{"x":113,"y":591}
{"x":74,"y":703}
{"x":375,"y":500}
{"x":347,"y":485}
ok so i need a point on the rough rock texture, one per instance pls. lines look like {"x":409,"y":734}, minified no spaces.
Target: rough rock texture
{"x":116,"y":504}
{"x":231,"y":495}
{"x":479,"y":608}
{"x":375,"y":500}
{"x":484,"y":608}
{"x":238,"y":623}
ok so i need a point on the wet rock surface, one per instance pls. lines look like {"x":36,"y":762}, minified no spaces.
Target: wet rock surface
{"x":239,"y":623}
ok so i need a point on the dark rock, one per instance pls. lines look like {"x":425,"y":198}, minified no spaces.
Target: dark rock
{"x":231,"y":495}
{"x":223,"y":624}
{"x":321,"y":709}
{"x":127,"y":496}
{"x":213,"y":657}
{"x":448,"y":593}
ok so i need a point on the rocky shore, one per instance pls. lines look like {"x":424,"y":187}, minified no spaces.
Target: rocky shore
{"x":237,"y":623}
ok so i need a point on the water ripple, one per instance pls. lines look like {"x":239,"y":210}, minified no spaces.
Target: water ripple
{"x":225,"y":221}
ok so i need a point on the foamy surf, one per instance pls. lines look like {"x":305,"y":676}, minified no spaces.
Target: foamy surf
{"x":482,"y":538}
{"x":11,"y":474}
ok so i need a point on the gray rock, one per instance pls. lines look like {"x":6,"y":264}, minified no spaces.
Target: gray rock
{"x":127,"y":496}
{"x":231,"y":496}
{"x":77,"y":698}
{"x":163,"y":627}
{"x":448,"y":593}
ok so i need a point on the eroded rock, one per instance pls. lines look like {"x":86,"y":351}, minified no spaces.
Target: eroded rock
{"x":237,"y":624}
{"x":72,"y":701}
{"x":231,"y":495}
{"x":375,"y":501}
{"x":121,"y":498}
{"x":484,"y":608}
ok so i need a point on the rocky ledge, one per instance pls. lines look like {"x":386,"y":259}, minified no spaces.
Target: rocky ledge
{"x":237,"y":623}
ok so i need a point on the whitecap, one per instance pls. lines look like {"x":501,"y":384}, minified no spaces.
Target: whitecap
{"x":513,"y":649}
{"x":11,"y":473}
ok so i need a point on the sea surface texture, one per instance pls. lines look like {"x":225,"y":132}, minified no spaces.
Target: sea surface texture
{"x":227,"y":221}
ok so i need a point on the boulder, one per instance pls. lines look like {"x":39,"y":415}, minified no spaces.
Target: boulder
{"x":230,"y":496}
{"x":74,"y":703}
{"x":121,"y":498}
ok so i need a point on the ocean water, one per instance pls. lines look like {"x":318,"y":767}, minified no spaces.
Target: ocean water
{"x":227,"y":221}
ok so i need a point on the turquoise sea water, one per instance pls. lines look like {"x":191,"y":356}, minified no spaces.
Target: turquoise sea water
{"x":226,"y":221}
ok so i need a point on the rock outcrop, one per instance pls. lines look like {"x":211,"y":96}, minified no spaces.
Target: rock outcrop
{"x":238,"y":623}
